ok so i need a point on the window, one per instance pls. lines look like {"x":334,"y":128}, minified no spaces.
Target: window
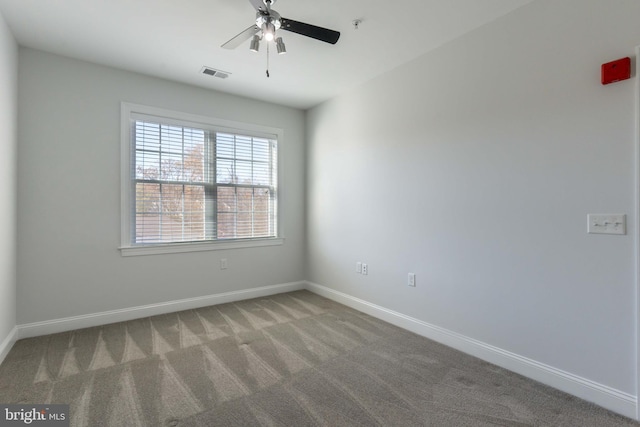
{"x":195,"y":184}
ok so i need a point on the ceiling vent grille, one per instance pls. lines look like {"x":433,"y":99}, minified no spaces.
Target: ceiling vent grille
{"x":215,"y":73}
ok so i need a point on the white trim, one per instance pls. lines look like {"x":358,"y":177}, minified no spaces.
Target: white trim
{"x":636,"y":234}
{"x":198,"y":247}
{"x":113,"y":316}
{"x":129,"y":110}
{"x":607,"y":397}
{"x":8,"y":343}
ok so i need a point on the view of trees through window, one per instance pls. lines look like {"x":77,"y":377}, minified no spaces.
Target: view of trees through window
{"x":197,"y":185}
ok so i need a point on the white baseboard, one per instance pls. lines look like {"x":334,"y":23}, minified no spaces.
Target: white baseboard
{"x":7,"y":343}
{"x":113,"y":316}
{"x":607,"y":397}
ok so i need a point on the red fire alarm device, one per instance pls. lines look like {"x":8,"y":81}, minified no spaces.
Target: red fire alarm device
{"x":616,"y":71}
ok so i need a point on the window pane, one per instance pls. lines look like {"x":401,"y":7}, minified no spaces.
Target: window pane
{"x":147,"y":198}
{"x":245,"y":199}
{"x":243,"y":147}
{"x":225,"y":172}
{"x":225,"y":146}
{"x":244,"y":226}
{"x":148,"y":213}
{"x":169,"y":153}
{"x":147,"y":136}
{"x":261,"y":150}
{"x":194,"y":206}
{"x":171,"y":229}
{"x":147,"y":165}
{"x":245,"y":213}
{"x":171,"y":167}
{"x":169,"y":213}
{"x":261,"y":174}
{"x":243,"y":160}
{"x":194,"y":162}
{"x":227,"y":199}
{"x":171,"y":139}
{"x":243,"y":172}
{"x":226,"y":225}
{"x":261,"y":212}
{"x":148,"y":228}
{"x":174,"y":204}
{"x":171,"y":199}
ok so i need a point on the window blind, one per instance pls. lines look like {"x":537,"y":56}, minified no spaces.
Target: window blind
{"x":195,"y":184}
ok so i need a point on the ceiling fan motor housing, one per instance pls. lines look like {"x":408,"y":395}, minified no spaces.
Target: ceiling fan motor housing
{"x":268,"y":18}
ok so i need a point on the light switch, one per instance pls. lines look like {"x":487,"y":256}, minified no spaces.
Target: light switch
{"x":606,"y":224}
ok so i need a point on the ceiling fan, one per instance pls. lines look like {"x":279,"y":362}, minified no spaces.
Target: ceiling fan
{"x":268,"y":21}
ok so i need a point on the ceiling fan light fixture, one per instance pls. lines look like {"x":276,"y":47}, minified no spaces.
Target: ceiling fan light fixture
{"x":268,"y":31}
{"x":280,"y":46}
{"x":255,"y":43}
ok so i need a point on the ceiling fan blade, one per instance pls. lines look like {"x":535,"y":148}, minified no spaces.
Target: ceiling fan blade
{"x":259,"y":5}
{"x":318,"y":33}
{"x":242,"y":37}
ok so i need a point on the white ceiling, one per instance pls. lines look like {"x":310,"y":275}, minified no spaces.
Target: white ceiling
{"x":174,"y":39}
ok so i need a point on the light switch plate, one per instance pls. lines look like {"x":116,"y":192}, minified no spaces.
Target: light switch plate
{"x":606,"y":224}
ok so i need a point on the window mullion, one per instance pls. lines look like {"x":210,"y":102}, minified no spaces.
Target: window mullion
{"x":210,"y":190}
{"x":253,"y":193}
{"x":183,"y":213}
{"x":182,"y":201}
{"x":161,"y":213}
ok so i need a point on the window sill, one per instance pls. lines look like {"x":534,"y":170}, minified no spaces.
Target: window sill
{"x":174,"y":248}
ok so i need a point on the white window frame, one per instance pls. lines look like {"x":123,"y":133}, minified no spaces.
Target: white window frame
{"x":128,"y":112}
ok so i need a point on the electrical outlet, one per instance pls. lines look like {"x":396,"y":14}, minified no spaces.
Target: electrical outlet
{"x":411,"y":279}
{"x":359,"y":267}
{"x":365,"y":269}
{"x":223,"y":263}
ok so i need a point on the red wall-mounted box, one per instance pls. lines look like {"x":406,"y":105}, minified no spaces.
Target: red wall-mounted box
{"x":616,"y":71}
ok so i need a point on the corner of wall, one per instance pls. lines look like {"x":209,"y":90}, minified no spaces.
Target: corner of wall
{"x":305,"y":201}
{"x":8,"y":186}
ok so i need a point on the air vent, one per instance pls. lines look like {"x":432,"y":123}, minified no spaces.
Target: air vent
{"x":215,"y":73}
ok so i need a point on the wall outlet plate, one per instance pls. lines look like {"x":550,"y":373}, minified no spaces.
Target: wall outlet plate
{"x":411,"y":279}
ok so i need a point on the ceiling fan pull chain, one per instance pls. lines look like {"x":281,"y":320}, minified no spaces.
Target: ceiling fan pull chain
{"x":267,"y":59}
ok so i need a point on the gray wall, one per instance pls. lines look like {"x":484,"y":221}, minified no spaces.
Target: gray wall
{"x":69,"y":194}
{"x":475,"y":167}
{"x":8,"y":174}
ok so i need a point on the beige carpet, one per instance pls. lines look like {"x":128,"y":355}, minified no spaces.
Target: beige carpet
{"x":293,"y":359}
